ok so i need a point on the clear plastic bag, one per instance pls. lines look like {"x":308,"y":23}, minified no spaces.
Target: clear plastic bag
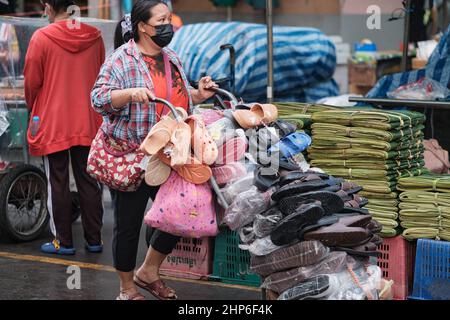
{"x":260,"y":247}
{"x":233,"y":189}
{"x":424,"y":89}
{"x":247,"y":235}
{"x":314,"y":288}
{"x":358,"y":284}
{"x":4,"y":122}
{"x":246,"y":206}
{"x":263,"y":225}
{"x":281,"y":281}
{"x":301,"y":254}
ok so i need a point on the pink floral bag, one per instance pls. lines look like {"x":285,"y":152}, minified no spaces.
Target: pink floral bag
{"x":115,"y":163}
{"x":183,"y":209}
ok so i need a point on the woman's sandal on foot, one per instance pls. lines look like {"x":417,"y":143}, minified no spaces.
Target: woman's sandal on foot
{"x":157,"y":288}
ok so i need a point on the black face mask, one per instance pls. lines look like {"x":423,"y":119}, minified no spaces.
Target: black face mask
{"x":164,"y":34}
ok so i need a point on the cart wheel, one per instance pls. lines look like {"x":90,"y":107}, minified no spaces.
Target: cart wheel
{"x":76,"y":209}
{"x":23,"y":203}
{"x":148,"y":235}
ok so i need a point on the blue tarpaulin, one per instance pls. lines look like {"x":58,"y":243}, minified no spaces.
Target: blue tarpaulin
{"x":438,"y":68}
{"x":304,"y":59}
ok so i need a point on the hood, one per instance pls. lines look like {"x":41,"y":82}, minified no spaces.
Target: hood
{"x":73,"y":40}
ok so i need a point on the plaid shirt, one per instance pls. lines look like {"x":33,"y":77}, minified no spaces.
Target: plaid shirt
{"x":125,"y":68}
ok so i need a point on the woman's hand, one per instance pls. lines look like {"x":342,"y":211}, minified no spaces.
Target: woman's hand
{"x":204,"y":91}
{"x":141,"y":95}
{"x":121,"y":98}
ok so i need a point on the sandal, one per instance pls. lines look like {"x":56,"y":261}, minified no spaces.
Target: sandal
{"x":159,"y":136}
{"x":157,"y":288}
{"x":265,"y":178}
{"x":301,"y":176}
{"x":330,"y":202}
{"x":285,"y":232}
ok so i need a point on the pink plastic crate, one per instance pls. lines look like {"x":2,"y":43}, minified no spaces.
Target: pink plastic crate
{"x":397,"y":263}
{"x":191,"y":259}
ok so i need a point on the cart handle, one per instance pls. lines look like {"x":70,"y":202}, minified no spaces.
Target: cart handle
{"x":234,"y":101}
{"x":170,"y":106}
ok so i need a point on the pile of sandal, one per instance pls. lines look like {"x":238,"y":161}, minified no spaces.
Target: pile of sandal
{"x":310,"y":242}
{"x":308,"y":236}
{"x":372,"y":148}
{"x":425,"y":207}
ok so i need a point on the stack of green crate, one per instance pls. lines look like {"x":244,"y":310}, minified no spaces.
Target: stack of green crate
{"x":372,"y":148}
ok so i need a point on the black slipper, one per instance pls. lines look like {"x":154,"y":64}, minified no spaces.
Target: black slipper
{"x":325,"y":221}
{"x":330,"y":202}
{"x":265,"y":178}
{"x":285,"y":232}
{"x":298,"y":187}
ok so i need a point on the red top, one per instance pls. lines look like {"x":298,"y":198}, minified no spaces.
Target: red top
{"x":61,"y":66}
{"x":179,"y":96}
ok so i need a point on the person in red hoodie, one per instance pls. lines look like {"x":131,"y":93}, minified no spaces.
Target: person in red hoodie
{"x":61,"y":66}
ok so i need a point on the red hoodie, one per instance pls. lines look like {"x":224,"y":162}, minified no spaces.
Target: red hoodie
{"x":61,"y":67}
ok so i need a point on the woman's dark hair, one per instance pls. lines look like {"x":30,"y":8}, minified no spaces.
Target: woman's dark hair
{"x":119,"y":38}
{"x":59,"y":5}
{"x":141,"y":12}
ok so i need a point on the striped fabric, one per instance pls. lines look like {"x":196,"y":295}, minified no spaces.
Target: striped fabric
{"x":304,"y":59}
{"x":438,"y":68}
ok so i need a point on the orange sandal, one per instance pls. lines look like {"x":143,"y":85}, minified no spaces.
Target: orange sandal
{"x":157,"y":288}
{"x":159,"y":136}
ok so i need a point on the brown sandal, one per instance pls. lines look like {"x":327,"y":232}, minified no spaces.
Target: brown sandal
{"x":157,"y":288}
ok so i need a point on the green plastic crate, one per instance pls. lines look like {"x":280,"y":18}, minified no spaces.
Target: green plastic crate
{"x":231,"y":264}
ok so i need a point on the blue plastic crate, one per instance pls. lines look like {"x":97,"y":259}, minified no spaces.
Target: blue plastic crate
{"x":432,"y":270}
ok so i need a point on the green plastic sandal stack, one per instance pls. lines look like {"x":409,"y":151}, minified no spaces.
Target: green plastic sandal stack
{"x":374,"y":149}
{"x":425,"y":207}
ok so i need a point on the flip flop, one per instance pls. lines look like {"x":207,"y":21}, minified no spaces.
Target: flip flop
{"x":157,"y":172}
{"x":349,"y":188}
{"x":231,"y":151}
{"x":355,"y":221}
{"x":299,"y":175}
{"x":205,"y":149}
{"x":229,"y":172}
{"x":330,"y":202}
{"x":181,"y":140}
{"x":285,"y":232}
{"x":194,"y":171}
{"x":357,"y":202}
{"x":338,"y":235}
{"x":159,"y":136}
{"x":265,"y":178}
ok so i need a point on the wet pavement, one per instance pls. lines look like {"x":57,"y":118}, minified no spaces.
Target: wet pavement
{"x":26,"y":273}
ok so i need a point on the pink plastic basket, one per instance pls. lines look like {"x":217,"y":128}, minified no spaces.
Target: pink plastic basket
{"x":191,"y":259}
{"x":397,"y":263}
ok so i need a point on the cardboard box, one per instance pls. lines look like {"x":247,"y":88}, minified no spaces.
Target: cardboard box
{"x":362,"y":74}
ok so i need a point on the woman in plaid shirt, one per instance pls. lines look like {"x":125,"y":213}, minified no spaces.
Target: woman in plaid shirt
{"x":129,"y":79}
